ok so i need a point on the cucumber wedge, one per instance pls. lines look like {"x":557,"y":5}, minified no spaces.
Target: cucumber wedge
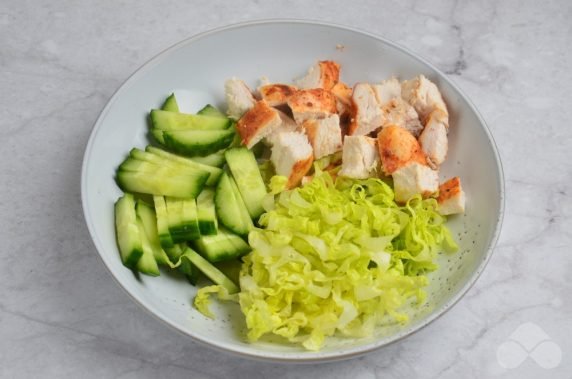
{"x":162,"y":157}
{"x":190,"y":222}
{"x":189,"y":270}
{"x":147,"y":215}
{"x":163,"y":224}
{"x":198,"y":142}
{"x":215,"y":159}
{"x":245,"y":172}
{"x":171,"y":105}
{"x":209,"y":110}
{"x":223,"y":246}
{"x":146,"y":264}
{"x":241,"y":206}
{"x":182,"y":215}
{"x":127,"y":231}
{"x":210,"y":271}
{"x":145,"y":177}
{"x":174,"y":253}
{"x":229,"y":209}
{"x":206,"y":214}
{"x":165,"y":120}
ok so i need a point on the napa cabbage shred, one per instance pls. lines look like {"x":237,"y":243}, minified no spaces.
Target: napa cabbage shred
{"x":336,"y":256}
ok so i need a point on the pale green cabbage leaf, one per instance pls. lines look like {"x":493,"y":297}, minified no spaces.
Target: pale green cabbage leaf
{"x":337,"y":257}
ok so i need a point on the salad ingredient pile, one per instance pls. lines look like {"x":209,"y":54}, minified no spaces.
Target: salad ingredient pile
{"x":324,"y":197}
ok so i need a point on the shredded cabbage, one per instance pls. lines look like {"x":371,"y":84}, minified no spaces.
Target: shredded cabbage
{"x":202,"y":298}
{"x":337,"y":256}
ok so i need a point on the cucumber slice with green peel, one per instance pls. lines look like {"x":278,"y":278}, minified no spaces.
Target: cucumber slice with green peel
{"x":146,"y":264}
{"x":165,"y":121}
{"x":244,"y":215}
{"x":189,"y":270}
{"x":228,"y":208}
{"x":140,"y":161}
{"x":148,"y":217}
{"x":231,"y":269}
{"x":221,"y":247}
{"x":157,"y":135}
{"x":206,"y":214}
{"x":190,"y":221}
{"x":246,"y":173}
{"x":175,"y":217}
{"x":163,"y":224}
{"x":197,"y":142}
{"x":210,"y":271}
{"x":209,"y":110}
{"x":127,"y":231}
{"x":182,"y":215}
{"x":171,"y":105}
{"x":174,"y":253}
{"x":160,"y":183}
{"x":215,"y":159}
{"x":162,"y":157}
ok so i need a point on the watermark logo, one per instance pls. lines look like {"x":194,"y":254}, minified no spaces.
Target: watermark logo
{"x":529,"y":340}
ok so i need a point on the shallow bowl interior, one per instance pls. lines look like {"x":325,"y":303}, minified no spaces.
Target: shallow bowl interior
{"x":195,"y":70}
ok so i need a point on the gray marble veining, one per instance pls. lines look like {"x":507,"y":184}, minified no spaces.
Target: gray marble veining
{"x":62,"y":315}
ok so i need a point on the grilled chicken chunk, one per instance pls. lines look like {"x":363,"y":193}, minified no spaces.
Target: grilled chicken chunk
{"x":238,"y":97}
{"x":451,"y":197}
{"x":324,"y":74}
{"x":292,"y":156}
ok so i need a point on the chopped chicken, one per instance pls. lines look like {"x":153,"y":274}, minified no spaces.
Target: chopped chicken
{"x":276,"y":94}
{"x":324,"y":135}
{"x":433,"y":139}
{"x":312,"y":104}
{"x":386,"y":91}
{"x":368,"y":116}
{"x":343,"y":95}
{"x":424,"y":96}
{"x":360,"y":157}
{"x":412,"y":179}
{"x":451,"y":197}
{"x":397,"y":148}
{"x":257,"y":123}
{"x":238,"y":97}
{"x":398,"y":112}
{"x":324,"y":74}
{"x":287,"y":125}
{"x":292,"y":156}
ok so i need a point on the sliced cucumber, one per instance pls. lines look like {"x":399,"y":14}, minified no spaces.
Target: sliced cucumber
{"x":228,"y":208}
{"x":215,"y":159}
{"x":182,"y":215}
{"x":209,"y":110}
{"x":206,"y":214}
{"x":246,"y":173}
{"x":197,"y":142}
{"x":165,"y":120}
{"x":210,"y":271}
{"x":244,"y":215}
{"x":163,"y":224}
{"x":148,"y":217}
{"x":230,"y":268}
{"x":189,"y":270}
{"x":162,"y":183}
{"x":175,"y":252}
{"x":221,"y":247}
{"x":146,"y":264}
{"x":190,"y":222}
{"x":127,"y":231}
{"x":162,"y":157}
{"x":170,"y":105}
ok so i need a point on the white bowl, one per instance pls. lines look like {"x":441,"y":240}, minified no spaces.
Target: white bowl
{"x":282,"y":50}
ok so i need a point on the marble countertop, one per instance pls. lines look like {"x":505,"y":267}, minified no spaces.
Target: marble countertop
{"x":62,"y":315}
